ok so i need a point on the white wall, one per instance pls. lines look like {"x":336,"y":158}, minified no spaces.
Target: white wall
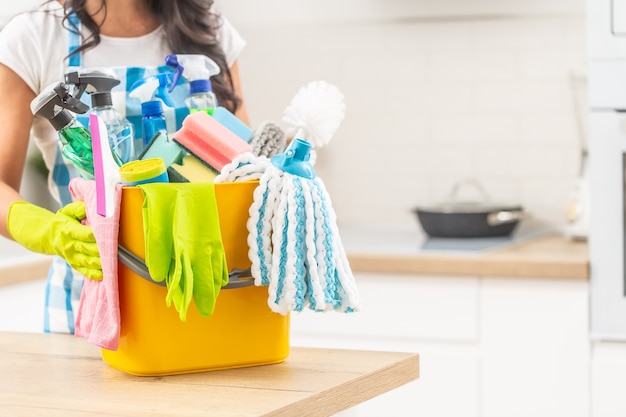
{"x":435,"y":92}
{"x":271,"y":12}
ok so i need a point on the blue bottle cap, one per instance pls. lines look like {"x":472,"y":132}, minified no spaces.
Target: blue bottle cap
{"x":200,"y":86}
{"x":295,"y":160}
{"x":152,"y":108}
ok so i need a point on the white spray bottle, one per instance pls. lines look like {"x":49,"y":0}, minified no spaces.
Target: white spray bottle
{"x":197,"y":70}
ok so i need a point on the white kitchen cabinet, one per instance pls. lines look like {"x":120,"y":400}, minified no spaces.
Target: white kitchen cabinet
{"x":535,"y":348}
{"x":447,"y":386}
{"x":488,"y":346}
{"x":404,"y":307}
{"x":608,"y":379}
{"x":435,"y":316}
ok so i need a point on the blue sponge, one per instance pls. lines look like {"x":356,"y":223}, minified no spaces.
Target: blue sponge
{"x":232,"y":123}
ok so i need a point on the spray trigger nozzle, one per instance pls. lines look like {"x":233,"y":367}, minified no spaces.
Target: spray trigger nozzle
{"x":50,"y":102}
{"x":153,"y":87}
{"x":192,"y":66}
{"x":172,"y":61}
{"x":92,"y":80}
{"x":70,"y":102}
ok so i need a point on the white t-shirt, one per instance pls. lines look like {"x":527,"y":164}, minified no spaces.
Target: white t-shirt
{"x":35,"y":44}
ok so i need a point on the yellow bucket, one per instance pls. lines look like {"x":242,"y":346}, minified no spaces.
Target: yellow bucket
{"x":242,"y":331}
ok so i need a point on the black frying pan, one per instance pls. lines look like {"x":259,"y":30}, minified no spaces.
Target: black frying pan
{"x":469,"y":220}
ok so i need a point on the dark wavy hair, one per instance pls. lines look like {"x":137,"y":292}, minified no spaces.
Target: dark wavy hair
{"x":190,"y":28}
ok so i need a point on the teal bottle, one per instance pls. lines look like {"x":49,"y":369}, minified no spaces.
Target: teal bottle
{"x":153,"y":121}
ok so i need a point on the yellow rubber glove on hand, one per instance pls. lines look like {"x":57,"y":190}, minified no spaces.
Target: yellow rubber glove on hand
{"x":59,"y":233}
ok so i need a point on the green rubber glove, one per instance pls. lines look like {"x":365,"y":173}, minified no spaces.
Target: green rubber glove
{"x":184,"y":244}
{"x":60,"y":233}
{"x":198,"y":246}
{"x":158,"y":211}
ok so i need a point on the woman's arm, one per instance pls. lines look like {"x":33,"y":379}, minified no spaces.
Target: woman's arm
{"x":15,"y":119}
{"x":242,"y":112}
{"x":34,"y":227}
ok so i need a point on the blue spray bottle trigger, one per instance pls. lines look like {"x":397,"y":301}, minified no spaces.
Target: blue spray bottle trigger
{"x":172,"y":61}
{"x":194,"y":66}
{"x":162,"y":92}
{"x":149,"y":88}
{"x":295,"y":159}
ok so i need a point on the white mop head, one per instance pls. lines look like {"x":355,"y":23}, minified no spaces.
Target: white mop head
{"x":315,"y":113}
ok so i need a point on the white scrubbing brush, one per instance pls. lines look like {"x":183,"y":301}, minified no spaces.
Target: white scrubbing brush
{"x":315,"y":113}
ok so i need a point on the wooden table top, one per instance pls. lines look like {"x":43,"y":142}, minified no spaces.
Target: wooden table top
{"x":62,"y":375}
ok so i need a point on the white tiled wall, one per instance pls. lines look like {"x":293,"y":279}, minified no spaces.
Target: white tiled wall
{"x":430,"y":100}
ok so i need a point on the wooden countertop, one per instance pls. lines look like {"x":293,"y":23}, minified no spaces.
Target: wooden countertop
{"x":546,"y":256}
{"x":61,"y":375}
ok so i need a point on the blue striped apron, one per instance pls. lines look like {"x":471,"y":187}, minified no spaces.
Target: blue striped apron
{"x":64,"y":285}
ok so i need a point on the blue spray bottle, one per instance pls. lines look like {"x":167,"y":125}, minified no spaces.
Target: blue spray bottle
{"x":152,"y":92}
{"x":53,"y":104}
{"x":99,"y":83}
{"x":197,"y":70}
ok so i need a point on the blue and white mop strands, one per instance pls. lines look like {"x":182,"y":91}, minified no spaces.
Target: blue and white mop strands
{"x":295,"y":247}
{"x":244,"y":167}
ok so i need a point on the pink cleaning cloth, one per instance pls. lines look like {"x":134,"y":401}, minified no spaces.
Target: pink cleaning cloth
{"x":210,"y":141}
{"x":98,"y":316}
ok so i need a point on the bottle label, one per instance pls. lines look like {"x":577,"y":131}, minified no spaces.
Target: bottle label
{"x":207,"y":111}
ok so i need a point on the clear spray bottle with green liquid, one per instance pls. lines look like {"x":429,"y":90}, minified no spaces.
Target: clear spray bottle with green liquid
{"x":98,"y":82}
{"x":197,"y":70}
{"x":55,"y":104}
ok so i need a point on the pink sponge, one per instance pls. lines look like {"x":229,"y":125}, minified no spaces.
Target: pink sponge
{"x":210,"y":141}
